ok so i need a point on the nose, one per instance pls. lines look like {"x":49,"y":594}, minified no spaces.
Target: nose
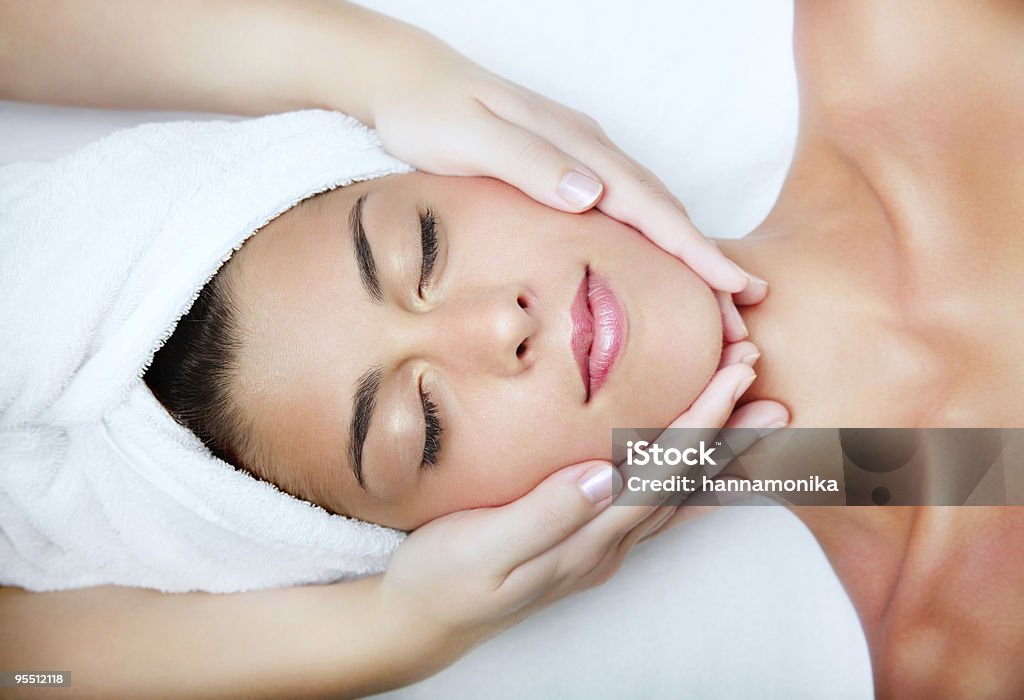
{"x":491,"y":331}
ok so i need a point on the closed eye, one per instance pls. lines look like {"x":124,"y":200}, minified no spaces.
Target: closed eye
{"x":432,"y":433}
{"x":428,"y":242}
{"x":431,"y":420}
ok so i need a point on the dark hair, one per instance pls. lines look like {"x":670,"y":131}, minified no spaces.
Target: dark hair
{"x":192,"y":373}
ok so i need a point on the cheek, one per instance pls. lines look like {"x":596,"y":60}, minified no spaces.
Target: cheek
{"x":499,"y":230}
{"x":508,"y":446}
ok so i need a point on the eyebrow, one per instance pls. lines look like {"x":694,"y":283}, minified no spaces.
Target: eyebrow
{"x":362,"y":411}
{"x":364,"y":255}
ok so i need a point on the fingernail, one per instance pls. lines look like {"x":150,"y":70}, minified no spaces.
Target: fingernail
{"x":757,"y":280}
{"x":579,"y":190}
{"x":727,"y":497}
{"x":744,"y":385}
{"x":597,"y":486}
{"x":765,"y":432}
{"x":739,"y":318}
{"x":750,"y":359}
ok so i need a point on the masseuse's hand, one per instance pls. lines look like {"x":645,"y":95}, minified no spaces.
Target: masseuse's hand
{"x":439,"y":111}
{"x":466,"y":576}
{"x":471,"y":574}
{"x":634,"y":519}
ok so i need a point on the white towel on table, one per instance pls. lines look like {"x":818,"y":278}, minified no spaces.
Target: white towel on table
{"x":101,"y":252}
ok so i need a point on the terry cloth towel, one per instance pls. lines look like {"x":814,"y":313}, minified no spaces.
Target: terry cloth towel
{"x":101,"y":253}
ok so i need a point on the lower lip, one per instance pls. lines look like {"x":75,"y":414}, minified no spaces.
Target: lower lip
{"x":609,"y":330}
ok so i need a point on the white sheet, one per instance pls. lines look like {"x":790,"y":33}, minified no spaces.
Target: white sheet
{"x":742,"y":604}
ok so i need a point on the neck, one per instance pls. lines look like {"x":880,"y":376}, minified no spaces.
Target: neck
{"x":837,"y":346}
{"x":824,"y":331}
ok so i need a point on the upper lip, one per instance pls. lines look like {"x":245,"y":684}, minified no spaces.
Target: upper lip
{"x":582,"y":330}
{"x":598,"y":330}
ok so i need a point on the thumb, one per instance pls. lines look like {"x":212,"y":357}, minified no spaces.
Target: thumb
{"x":536,"y":167}
{"x":558,"y":507}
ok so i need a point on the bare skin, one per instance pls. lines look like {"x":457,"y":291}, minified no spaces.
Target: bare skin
{"x":909,"y":166}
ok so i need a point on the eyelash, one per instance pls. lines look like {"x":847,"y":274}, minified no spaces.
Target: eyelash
{"x":433,"y":432}
{"x":428,"y":242}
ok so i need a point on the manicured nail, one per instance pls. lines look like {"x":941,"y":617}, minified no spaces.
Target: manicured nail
{"x":744,"y":385}
{"x":757,"y":280}
{"x":750,"y":359}
{"x":739,"y":318}
{"x":727,"y":497}
{"x":597,"y":486}
{"x":765,"y":432}
{"x":579,"y":190}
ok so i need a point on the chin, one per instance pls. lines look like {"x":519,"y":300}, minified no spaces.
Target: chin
{"x":675,"y":341}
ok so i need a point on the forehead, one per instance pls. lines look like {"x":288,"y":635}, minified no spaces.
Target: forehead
{"x":298,"y":294}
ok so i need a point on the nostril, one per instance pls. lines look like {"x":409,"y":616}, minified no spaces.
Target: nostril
{"x":521,"y":350}
{"x":521,"y":300}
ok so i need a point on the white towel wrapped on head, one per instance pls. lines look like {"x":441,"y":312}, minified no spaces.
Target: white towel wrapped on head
{"x":101,"y":252}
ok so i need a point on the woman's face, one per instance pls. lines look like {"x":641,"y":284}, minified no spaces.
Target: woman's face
{"x":345,"y":370}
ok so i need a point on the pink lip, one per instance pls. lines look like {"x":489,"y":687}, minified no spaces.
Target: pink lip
{"x":598,"y":330}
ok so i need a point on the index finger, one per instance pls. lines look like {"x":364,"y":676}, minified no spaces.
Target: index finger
{"x":637,"y":197}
